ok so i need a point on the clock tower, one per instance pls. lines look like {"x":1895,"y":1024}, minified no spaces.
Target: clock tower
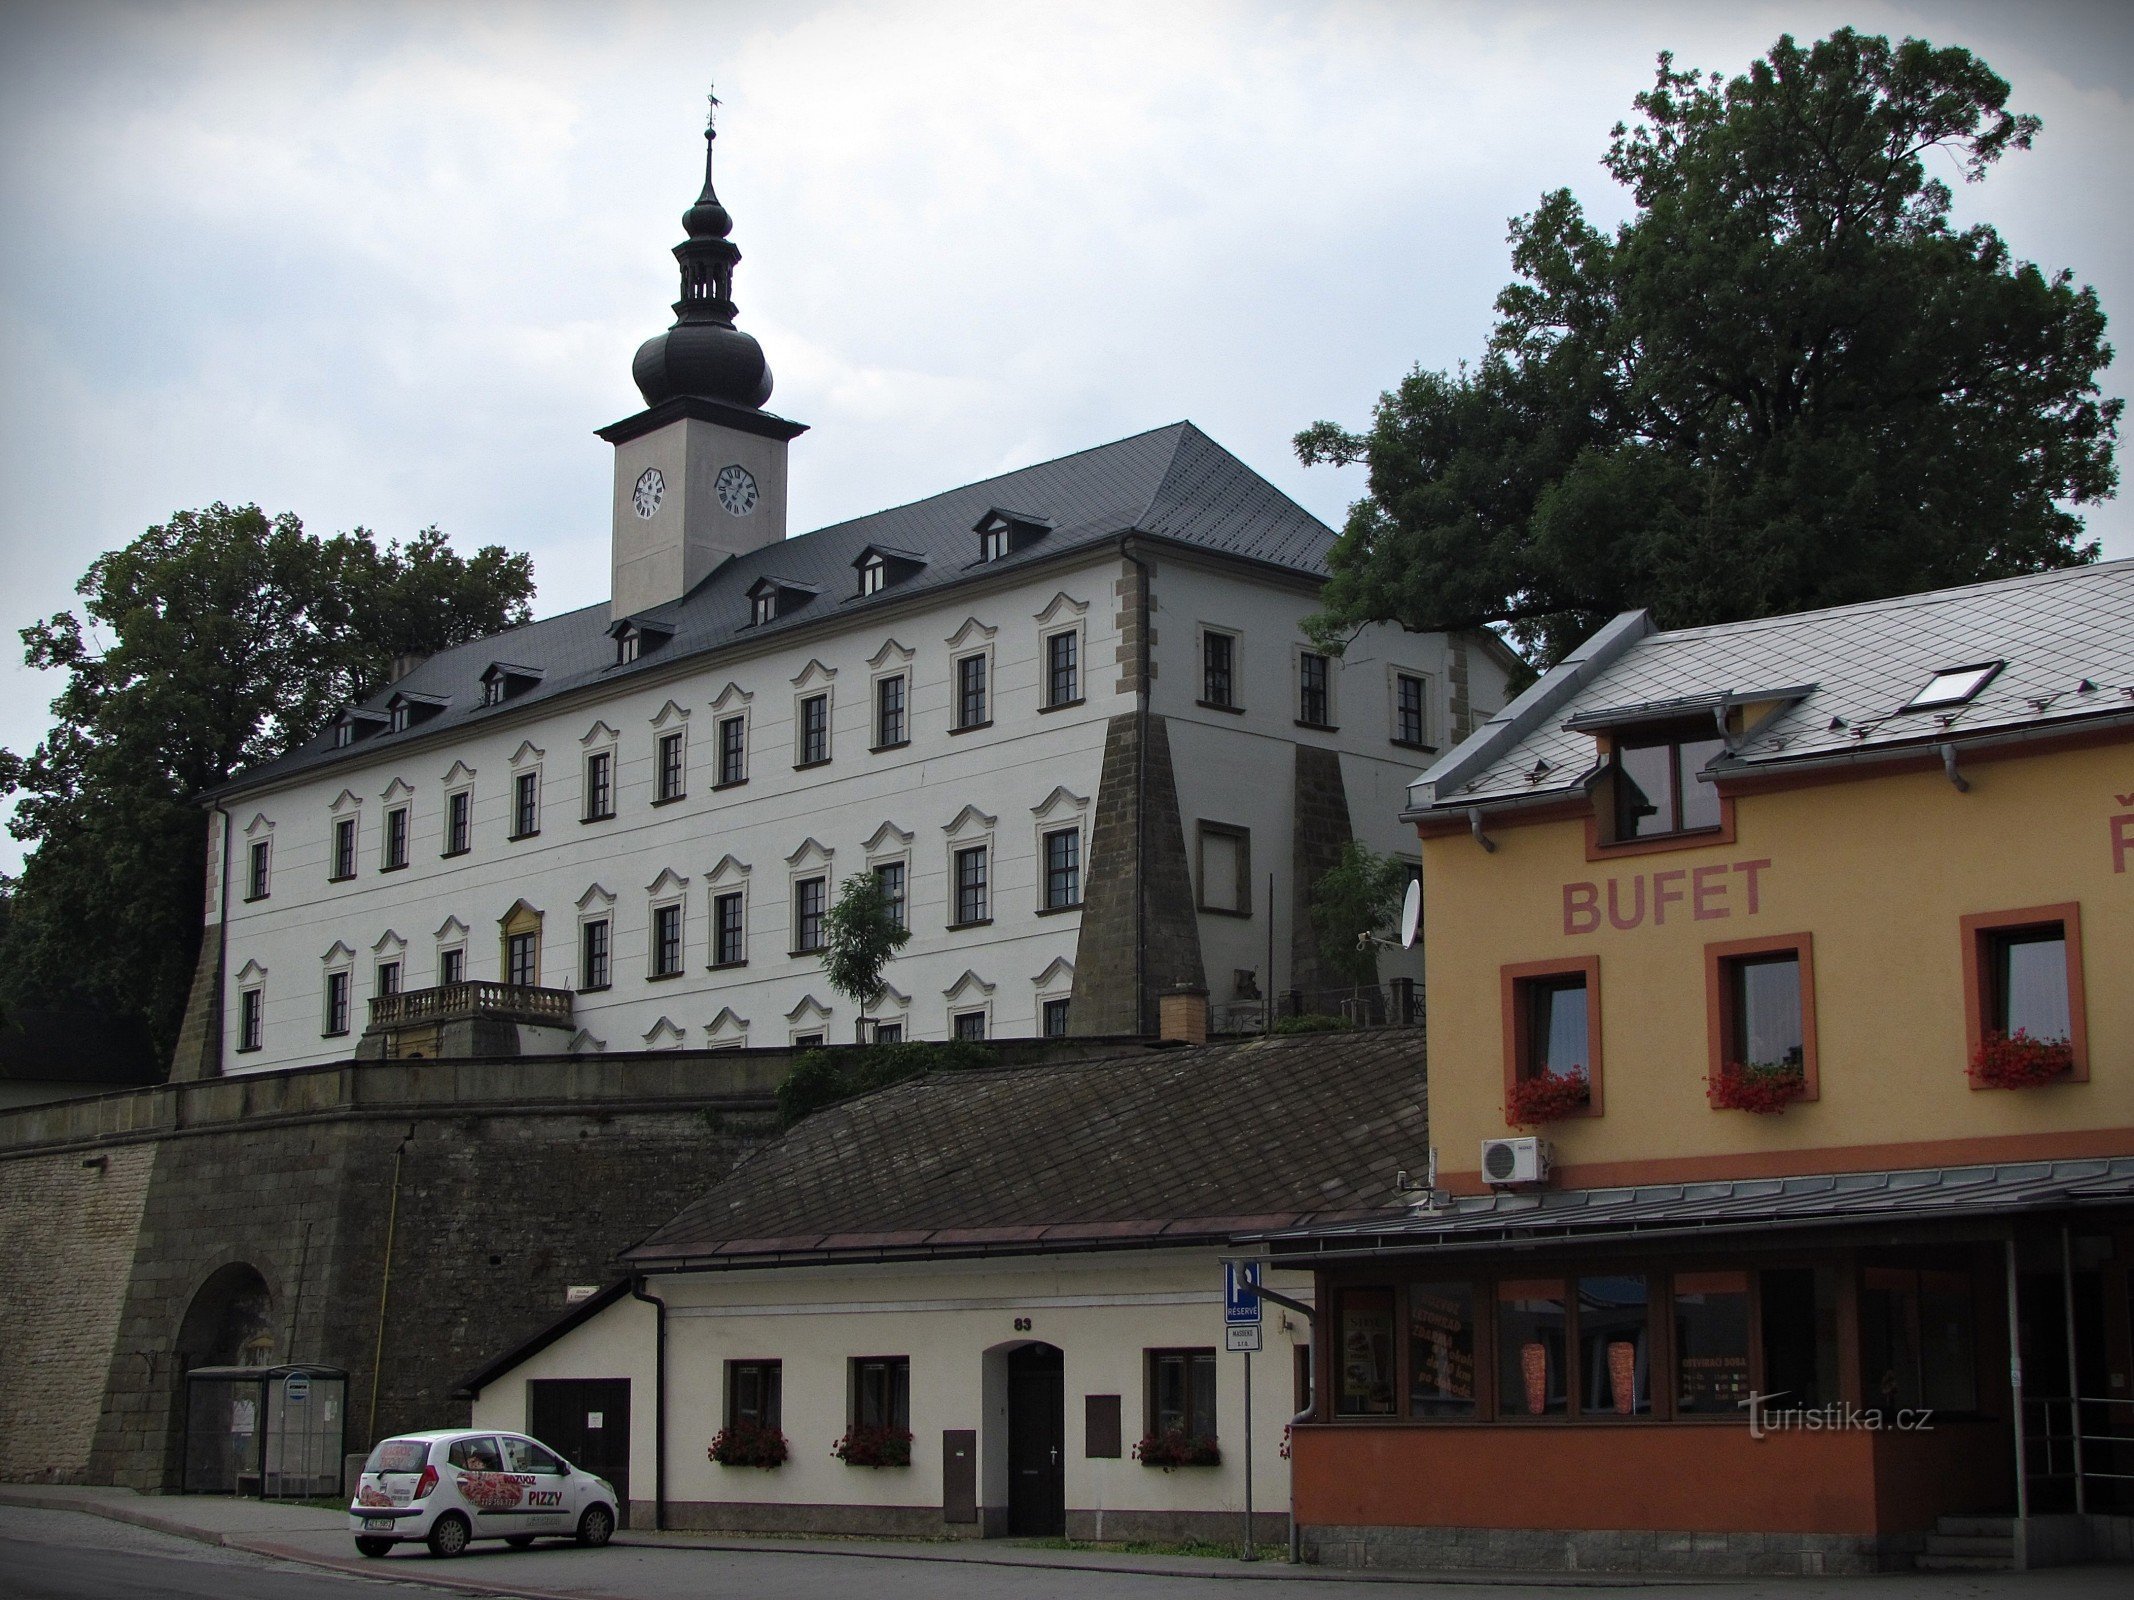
{"x":700,"y":472}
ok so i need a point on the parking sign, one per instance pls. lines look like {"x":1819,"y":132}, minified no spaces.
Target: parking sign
{"x":1241,"y":1300}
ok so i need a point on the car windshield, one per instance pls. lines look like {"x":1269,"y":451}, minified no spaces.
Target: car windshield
{"x":399,"y":1455}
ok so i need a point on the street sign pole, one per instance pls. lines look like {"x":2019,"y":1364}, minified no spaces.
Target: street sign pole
{"x":1241,"y":1332}
{"x":1249,"y":1556}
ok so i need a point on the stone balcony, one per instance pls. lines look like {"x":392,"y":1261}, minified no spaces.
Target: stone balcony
{"x":465,"y":1020}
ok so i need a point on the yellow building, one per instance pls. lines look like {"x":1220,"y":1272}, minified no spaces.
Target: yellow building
{"x":1781,"y":998}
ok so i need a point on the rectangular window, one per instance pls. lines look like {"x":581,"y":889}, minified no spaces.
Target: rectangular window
{"x":814,"y":730}
{"x":627,"y":646}
{"x":1916,"y":1339}
{"x":251,"y":1015}
{"x":388,"y":977}
{"x":666,"y":941}
{"x":452,"y":965}
{"x":1315,"y":707}
{"x":890,"y":875}
{"x":970,"y":691}
{"x":493,"y":691}
{"x":1761,"y":1027}
{"x":522,"y":960}
{"x":1181,"y":1391}
{"x":728,"y":948}
{"x":1615,"y":1346}
{"x":889,"y":1033}
{"x":809,"y":896}
{"x":807,"y":1041}
{"x":1055,"y":1019}
{"x":1441,"y":1350}
{"x":1533,"y":1327}
{"x":336,"y":1004}
{"x":1218,"y":670}
{"x":752,"y":1394}
{"x":1657,"y":791}
{"x":1363,"y":1355}
{"x":968,"y":1025}
{"x":2023,"y":977}
{"x":1063,"y":670}
{"x":992,"y":544}
{"x":733,"y":751}
{"x":256,"y":870}
{"x":593,"y":954}
{"x":459,"y":822}
{"x":1063,"y":869}
{"x":971,"y":901}
{"x":344,"y":848}
{"x":874,"y":575}
{"x":881,"y":1392}
{"x":1225,"y":869}
{"x":763,"y":608}
{"x":396,"y":838}
{"x":668,"y":784}
{"x":526,"y":805}
{"x":1407,"y":708}
{"x":1552,"y":1029}
{"x":889,"y":724}
{"x":599,"y":785}
{"x":1711,"y":1343}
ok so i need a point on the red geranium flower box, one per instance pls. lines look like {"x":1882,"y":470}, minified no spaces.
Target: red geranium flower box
{"x":874,"y":1447}
{"x":1547,"y":1097}
{"x":1174,"y":1448}
{"x":2018,"y":1061}
{"x":748,"y":1444}
{"x":1764,"y":1089}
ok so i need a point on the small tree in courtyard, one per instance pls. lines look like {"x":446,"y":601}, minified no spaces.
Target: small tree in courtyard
{"x":860,"y":933}
{"x":1359,"y":895}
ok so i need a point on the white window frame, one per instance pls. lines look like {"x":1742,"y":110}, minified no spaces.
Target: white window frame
{"x":973,"y":639}
{"x":458,"y":782}
{"x":733,"y":704}
{"x":595,"y":905}
{"x":1064,"y":615}
{"x":598,"y":740}
{"x":671,"y":722}
{"x":259,"y":834}
{"x":1055,"y":983}
{"x":252,"y":984}
{"x":339,"y":962}
{"x":891,"y":661}
{"x":1056,"y":813}
{"x":969,"y":993}
{"x":814,"y":681}
{"x":729,"y":877}
{"x":972,"y":829}
{"x":811,"y":860}
{"x":668,"y":892}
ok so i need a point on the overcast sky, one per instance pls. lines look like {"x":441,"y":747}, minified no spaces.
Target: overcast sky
{"x":386,"y":265}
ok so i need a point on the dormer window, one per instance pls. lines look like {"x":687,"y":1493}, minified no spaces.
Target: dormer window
{"x":399,"y":722}
{"x":1655,"y":783}
{"x":634,"y":639}
{"x":493,"y":692}
{"x":1001,"y":532}
{"x":355,"y":725}
{"x":763,"y":607}
{"x":501,"y":680}
{"x":771,"y":598}
{"x":874,"y":575}
{"x":406,"y":709}
{"x":879,"y":566}
{"x":1954,"y":686}
{"x":344,"y":735}
{"x":626,"y":646}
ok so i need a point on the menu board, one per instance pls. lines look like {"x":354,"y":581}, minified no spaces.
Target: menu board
{"x":1364,"y":1361}
{"x":1441,"y":1344}
{"x":1714,"y":1383}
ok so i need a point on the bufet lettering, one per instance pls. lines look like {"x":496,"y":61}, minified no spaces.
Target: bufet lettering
{"x":1709,"y":893}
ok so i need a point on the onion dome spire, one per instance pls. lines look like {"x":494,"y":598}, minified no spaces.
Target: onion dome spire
{"x":703,"y":354}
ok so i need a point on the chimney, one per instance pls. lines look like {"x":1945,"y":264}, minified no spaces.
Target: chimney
{"x":403,"y":663}
{"x":1182,"y":1015}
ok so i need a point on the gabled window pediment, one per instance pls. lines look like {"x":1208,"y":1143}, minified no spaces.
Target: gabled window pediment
{"x":1002,"y":532}
{"x":406,"y":709}
{"x":635,"y":637}
{"x":772,"y":598}
{"x":352,"y":725}
{"x":502,"y":680}
{"x":880,"y":565}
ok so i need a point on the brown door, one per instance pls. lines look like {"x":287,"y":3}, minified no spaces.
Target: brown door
{"x":587,"y":1422}
{"x":1037,"y":1442}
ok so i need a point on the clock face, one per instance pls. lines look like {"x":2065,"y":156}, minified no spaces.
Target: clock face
{"x":736,"y":488}
{"x":650,"y":486}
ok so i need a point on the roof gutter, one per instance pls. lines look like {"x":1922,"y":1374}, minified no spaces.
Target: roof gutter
{"x":1941,"y":746}
{"x":881,"y":1254}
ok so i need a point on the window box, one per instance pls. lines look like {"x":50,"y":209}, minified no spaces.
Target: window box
{"x":751,"y":1444}
{"x":1752,"y":1087}
{"x":874,"y":1446}
{"x":2017,"y":1061}
{"x":1548,"y":1097}
{"x":1175,"y":1448}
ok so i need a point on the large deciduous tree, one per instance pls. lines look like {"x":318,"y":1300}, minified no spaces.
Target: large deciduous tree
{"x":212,"y":643}
{"x":1786,"y":381}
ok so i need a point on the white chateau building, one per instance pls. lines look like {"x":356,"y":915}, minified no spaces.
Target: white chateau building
{"x":1069,"y":713}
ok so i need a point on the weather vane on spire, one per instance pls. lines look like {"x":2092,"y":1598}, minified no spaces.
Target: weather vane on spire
{"x":711,"y":113}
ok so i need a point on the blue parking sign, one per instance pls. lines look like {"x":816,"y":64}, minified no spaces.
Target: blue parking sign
{"x":1241,"y":1302}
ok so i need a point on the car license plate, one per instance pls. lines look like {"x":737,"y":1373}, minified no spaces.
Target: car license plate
{"x":378,"y":1524}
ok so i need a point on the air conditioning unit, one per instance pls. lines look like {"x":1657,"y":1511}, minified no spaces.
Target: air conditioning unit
{"x":1511,"y":1161}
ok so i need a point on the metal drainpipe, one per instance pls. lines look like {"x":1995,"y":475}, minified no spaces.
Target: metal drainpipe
{"x":385,"y":1284}
{"x":1142,"y":676}
{"x":222,"y":941}
{"x":659,"y":1400}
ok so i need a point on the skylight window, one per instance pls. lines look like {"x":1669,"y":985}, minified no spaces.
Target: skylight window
{"x":1953,"y":686}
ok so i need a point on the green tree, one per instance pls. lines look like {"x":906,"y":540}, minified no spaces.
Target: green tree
{"x":1784,"y":382}
{"x":860,"y":933}
{"x":1359,"y":895}
{"x":211,"y":643}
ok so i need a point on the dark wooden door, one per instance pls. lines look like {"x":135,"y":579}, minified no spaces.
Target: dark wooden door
{"x":1037,"y":1442}
{"x":588,"y":1421}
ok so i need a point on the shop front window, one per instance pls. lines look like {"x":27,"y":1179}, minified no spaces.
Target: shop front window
{"x":1916,"y":1345}
{"x":1441,"y":1350}
{"x":1614,"y":1346}
{"x":1711,"y":1343}
{"x":1532,"y":1324}
{"x":1799,"y":1307}
{"x":1363,"y":1354}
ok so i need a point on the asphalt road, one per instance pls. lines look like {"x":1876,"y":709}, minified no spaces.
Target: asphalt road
{"x":61,"y":1555}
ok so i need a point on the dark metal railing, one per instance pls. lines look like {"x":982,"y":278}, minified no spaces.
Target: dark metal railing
{"x":451,"y":1001}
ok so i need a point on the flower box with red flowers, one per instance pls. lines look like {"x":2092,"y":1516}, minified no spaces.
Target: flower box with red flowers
{"x":2017,"y":1061}
{"x":748,"y":1444}
{"x":1174,"y":1448}
{"x":874,"y":1447}
{"x":1764,"y":1089}
{"x":1547,"y":1097}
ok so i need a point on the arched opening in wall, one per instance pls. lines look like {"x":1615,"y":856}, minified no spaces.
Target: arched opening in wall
{"x":230,"y":1323}
{"x":1023,"y":1448}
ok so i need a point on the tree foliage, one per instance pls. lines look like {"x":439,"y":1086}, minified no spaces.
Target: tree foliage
{"x":212,"y":643}
{"x":1359,"y":895}
{"x":1786,"y":381}
{"x":860,"y":933}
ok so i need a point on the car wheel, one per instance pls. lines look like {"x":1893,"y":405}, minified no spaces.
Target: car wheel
{"x":373,"y":1547}
{"x":449,"y":1535}
{"x":519,"y":1541}
{"x":595,"y":1527}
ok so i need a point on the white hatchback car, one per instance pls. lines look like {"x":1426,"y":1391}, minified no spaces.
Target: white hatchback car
{"x":450,"y":1486}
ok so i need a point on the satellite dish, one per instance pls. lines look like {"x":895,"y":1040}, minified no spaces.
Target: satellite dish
{"x":1411,"y":914}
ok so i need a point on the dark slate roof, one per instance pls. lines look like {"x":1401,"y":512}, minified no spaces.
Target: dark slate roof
{"x":2067,"y":638}
{"x":1171,"y":1147}
{"x":1171,"y":483}
{"x":1926,"y":1194}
